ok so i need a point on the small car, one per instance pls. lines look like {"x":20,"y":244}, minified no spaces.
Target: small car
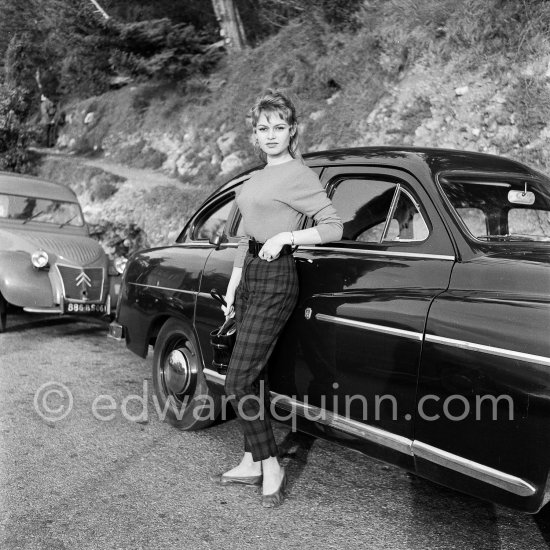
{"x":421,"y":338}
{"x":48,"y":261}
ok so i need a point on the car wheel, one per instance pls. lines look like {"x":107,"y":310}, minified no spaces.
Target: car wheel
{"x":184,"y":398}
{"x":3,"y":313}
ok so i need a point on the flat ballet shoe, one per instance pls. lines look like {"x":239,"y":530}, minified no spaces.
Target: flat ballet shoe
{"x":275,"y":499}
{"x":221,"y":479}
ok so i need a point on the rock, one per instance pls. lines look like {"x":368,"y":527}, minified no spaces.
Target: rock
{"x":333,"y":98}
{"x":434,"y":124}
{"x":205,"y":152}
{"x":226,"y":142}
{"x":232,"y":162}
{"x":461,"y":90}
{"x":476,"y":132}
{"x":89,"y":118}
{"x":316,"y":115}
{"x":184,"y":166}
{"x":498,"y":98}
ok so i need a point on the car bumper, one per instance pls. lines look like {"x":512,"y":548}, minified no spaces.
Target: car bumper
{"x":116,"y":331}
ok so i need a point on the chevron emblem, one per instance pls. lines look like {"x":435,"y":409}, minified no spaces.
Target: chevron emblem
{"x":83,"y":280}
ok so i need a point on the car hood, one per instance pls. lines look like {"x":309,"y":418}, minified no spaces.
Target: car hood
{"x":76,"y":249}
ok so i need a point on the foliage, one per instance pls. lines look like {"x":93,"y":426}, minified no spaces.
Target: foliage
{"x":162,"y":50}
{"x":264,"y":17}
{"x":76,"y":52}
{"x":15,"y":136}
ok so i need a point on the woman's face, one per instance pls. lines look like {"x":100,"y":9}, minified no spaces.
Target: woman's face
{"x":273,"y":134}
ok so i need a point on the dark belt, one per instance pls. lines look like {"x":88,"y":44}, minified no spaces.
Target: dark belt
{"x":254,"y":248}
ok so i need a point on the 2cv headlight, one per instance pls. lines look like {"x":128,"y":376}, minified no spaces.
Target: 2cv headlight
{"x":120,"y":264}
{"x":39,"y":259}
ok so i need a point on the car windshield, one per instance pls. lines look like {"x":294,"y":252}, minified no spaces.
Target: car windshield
{"x":504,"y":210}
{"x":17,"y":207}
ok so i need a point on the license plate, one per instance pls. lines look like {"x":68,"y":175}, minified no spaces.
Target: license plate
{"x":85,"y":308}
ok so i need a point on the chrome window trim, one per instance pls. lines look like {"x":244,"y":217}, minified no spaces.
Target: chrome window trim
{"x":501,"y":352}
{"x":164,"y":288}
{"x":389,"y":215}
{"x":483,"y":473}
{"x":399,"y":443}
{"x":369,"y":326}
{"x":194,"y":244}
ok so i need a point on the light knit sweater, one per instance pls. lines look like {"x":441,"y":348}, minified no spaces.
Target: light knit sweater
{"x":274,"y":199}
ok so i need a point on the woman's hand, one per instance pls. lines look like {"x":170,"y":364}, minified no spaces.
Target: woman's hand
{"x":272,"y":247}
{"x":229,"y":310}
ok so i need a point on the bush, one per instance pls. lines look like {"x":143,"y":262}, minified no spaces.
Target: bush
{"x":15,"y":135}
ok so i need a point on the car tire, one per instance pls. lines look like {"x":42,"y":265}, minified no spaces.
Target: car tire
{"x":3,"y":313}
{"x":183,"y":396}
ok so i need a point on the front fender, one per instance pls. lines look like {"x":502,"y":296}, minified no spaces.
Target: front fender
{"x":23,"y":285}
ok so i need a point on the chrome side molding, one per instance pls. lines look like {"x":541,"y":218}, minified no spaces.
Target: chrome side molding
{"x":415,"y":448}
{"x":214,"y":376}
{"x":501,"y":352}
{"x":473,"y":469}
{"x":347,"y":425}
{"x":369,"y":326}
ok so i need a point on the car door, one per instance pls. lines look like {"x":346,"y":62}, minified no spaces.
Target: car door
{"x":216,"y":273}
{"x":351,"y":351}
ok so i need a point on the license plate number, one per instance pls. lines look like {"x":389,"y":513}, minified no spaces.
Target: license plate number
{"x":85,"y":308}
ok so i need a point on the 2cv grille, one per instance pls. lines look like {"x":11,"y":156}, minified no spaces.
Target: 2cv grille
{"x":84,"y":284}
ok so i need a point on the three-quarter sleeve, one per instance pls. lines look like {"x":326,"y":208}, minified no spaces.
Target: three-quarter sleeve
{"x":308,"y":197}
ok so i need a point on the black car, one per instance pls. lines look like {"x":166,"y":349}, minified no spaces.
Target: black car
{"x":421,"y":338}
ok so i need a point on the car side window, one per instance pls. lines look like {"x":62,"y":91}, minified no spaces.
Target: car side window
{"x":214,"y":220}
{"x":376,"y":211}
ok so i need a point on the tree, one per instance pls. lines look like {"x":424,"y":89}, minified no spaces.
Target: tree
{"x":15,"y":135}
{"x":231,"y":26}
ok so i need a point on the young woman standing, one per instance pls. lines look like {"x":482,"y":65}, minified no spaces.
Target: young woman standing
{"x":263,"y":288}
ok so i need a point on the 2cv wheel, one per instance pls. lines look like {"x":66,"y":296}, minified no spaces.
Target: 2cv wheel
{"x":178,"y":379}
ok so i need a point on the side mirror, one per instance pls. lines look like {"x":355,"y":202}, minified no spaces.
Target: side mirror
{"x":218,"y":240}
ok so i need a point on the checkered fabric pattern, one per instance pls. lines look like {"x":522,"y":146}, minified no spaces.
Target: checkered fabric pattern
{"x":264,"y":300}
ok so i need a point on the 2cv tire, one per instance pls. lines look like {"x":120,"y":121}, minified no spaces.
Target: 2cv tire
{"x":3,"y":313}
{"x":178,"y":379}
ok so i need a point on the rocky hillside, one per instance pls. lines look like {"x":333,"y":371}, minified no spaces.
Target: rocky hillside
{"x":472,"y":75}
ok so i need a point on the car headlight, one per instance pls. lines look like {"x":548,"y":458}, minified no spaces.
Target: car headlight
{"x":39,"y":259}
{"x":120,"y":264}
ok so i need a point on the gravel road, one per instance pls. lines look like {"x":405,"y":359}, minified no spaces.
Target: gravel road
{"x":87,"y":463}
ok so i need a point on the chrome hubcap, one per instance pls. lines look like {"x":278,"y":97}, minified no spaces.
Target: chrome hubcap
{"x":177,"y":372}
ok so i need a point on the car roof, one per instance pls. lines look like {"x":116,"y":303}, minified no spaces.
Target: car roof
{"x":417,"y":160}
{"x":29,"y":186}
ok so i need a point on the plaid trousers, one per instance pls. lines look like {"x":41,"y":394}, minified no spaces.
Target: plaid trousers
{"x":264,"y":300}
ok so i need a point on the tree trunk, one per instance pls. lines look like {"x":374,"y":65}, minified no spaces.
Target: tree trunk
{"x":231,"y":26}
